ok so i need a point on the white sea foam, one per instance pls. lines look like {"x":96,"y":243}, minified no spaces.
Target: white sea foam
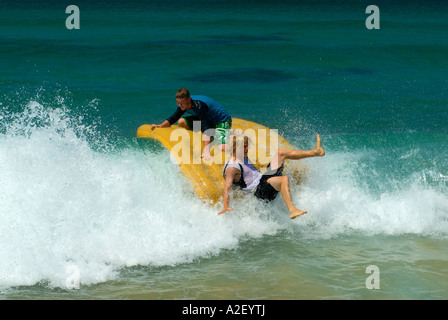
{"x":341,"y":200}
{"x":67,"y":203}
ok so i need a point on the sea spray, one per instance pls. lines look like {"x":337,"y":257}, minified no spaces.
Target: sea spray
{"x":74,"y":199}
{"x":68,"y":205}
{"x":359,"y":193}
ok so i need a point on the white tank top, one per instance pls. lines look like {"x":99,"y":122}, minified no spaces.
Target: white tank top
{"x":250,"y":174}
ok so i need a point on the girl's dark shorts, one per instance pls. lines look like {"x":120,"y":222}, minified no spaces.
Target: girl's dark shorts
{"x":264,"y":190}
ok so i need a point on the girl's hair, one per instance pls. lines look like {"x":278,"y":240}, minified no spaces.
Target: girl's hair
{"x":239,"y":143}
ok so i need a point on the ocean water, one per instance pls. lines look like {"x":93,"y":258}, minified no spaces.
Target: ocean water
{"x":88,"y":211}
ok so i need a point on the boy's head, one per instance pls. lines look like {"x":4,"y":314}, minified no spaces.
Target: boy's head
{"x":183,"y":99}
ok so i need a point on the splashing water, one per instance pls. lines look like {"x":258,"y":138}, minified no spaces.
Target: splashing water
{"x":71,"y":197}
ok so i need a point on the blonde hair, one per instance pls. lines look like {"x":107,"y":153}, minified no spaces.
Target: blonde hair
{"x":240,"y":144}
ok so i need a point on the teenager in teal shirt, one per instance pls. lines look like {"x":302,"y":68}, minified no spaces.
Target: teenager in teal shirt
{"x":201,"y":108}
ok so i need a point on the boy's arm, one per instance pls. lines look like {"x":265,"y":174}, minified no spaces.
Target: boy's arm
{"x":168,"y":122}
{"x":164,"y":124}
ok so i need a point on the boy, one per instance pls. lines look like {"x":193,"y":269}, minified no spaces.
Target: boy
{"x":211,"y":114}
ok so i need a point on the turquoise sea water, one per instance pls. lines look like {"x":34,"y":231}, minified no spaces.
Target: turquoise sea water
{"x":83,"y":199}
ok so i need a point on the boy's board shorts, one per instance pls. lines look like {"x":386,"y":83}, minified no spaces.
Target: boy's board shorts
{"x":190,"y":119}
{"x":222,"y":129}
{"x":222,"y":132}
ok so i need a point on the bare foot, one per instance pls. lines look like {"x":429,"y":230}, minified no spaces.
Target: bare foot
{"x":296,"y":212}
{"x":320,"y":152}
